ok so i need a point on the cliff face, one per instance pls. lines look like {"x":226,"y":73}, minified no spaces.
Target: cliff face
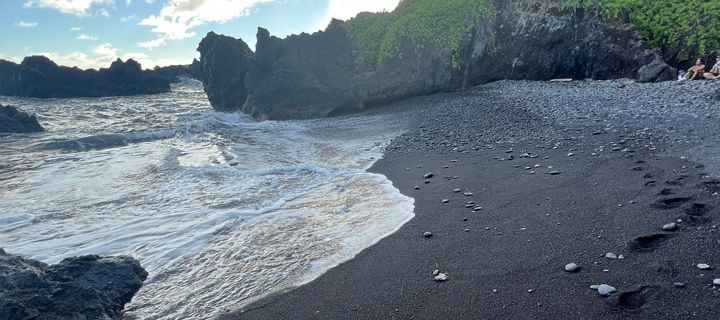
{"x":307,"y":76}
{"x":39,"y":77}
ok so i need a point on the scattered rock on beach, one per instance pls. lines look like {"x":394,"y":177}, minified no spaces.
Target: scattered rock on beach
{"x":428,"y":175}
{"x":445,"y":200}
{"x":457,"y":190}
{"x":679,"y":284}
{"x":571,"y":267}
{"x":670,"y":226}
{"x":716,"y":281}
{"x":605,"y":290}
{"x":703,"y":266}
{"x":611,"y":256}
{"x":427,"y":234}
{"x":440,"y":276}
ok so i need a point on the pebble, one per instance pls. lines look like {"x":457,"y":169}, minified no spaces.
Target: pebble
{"x":670,"y":226}
{"x":417,"y":188}
{"x":457,"y":190}
{"x":428,"y":175}
{"x":427,"y":234}
{"x":445,"y":200}
{"x":554,"y":172}
{"x":571,"y":267}
{"x":468,"y":194}
{"x":716,"y":281}
{"x":441,"y":277}
{"x":605,"y":289}
{"x":703,"y":266}
{"x":610,"y":255}
{"x":679,"y":284}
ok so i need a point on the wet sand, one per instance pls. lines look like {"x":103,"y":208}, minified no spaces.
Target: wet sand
{"x":527,"y":178}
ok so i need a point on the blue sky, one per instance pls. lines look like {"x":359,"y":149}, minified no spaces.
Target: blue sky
{"x":93,"y":33}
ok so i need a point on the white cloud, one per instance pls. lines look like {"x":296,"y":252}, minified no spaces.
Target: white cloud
{"x":76,"y":7}
{"x":75,"y":29}
{"x":152,"y":43}
{"x":177,"y":17}
{"x":344,"y":10}
{"x":26,"y":24}
{"x":80,"y":60}
{"x":103,"y":12}
{"x":86,"y":37}
{"x":128,"y":18}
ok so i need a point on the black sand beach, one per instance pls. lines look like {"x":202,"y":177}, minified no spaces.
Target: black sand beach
{"x":536,"y":176}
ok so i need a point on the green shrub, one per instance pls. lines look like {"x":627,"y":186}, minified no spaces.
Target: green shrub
{"x":436,"y":23}
{"x":673,"y":23}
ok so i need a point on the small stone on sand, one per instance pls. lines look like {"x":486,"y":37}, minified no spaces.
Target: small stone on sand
{"x":610,"y":255}
{"x":679,"y":284}
{"x":716,"y":281}
{"x":441,"y":277}
{"x":457,"y":190}
{"x":605,"y":290}
{"x":670,"y":226}
{"x":427,"y":234}
{"x":703,"y":266}
{"x":445,"y":200}
{"x":571,"y":267}
{"x":428,"y":175}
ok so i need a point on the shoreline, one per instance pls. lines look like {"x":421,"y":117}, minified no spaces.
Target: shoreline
{"x":611,"y":190}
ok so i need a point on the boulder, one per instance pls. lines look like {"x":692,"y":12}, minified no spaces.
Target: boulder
{"x":13,"y":120}
{"x":318,"y":75}
{"x":87,"y":287}
{"x":40,"y":77}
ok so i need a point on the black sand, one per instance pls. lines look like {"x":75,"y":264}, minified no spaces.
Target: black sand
{"x":556,"y":198}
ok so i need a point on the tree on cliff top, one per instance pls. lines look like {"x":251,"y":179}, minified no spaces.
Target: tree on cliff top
{"x":426,"y":23}
{"x":675,"y":25}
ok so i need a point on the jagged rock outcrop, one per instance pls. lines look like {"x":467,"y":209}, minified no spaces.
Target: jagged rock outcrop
{"x":39,"y":77}
{"x":309,"y":76}
{"x":173,"y":74}
{"x":14,"y":120}
{"x":225,"y":62}
{"x":87,"y":287}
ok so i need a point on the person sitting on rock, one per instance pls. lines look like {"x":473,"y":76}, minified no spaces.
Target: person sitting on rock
{"x":714,"y":73}
{"x":695,"y":70}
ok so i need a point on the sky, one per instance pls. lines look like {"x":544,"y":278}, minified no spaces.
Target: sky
{"x":94,"y":33}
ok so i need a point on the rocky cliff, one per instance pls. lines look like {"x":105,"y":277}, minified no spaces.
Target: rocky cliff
{"x":88,"y":287}
{"x":39,"y":77}
{"x":318,"y":75}
{"x":13,"y":120}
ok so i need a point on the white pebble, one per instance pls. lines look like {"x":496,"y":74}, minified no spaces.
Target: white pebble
{"x":610,"y":255}
{"x":716,"y":281}
{"x":703,"y":266}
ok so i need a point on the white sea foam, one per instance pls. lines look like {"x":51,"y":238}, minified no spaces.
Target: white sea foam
{"x":220,"y":210}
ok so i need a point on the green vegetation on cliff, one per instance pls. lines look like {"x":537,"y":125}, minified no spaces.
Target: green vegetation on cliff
{"x":436,"y":23}
{"x":677,"y":24}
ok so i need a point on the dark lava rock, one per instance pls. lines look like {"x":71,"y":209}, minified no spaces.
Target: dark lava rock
{"x":173,"y":73}
{"x":87,"y":287}
{"x":13,"y":120}
{"x":225,"y":62}
{"x":310,"y":76}
{"x":39,"y":77}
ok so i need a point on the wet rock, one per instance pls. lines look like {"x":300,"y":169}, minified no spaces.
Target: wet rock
{"x":427,"y":234}
{"x":13,"y":120}
{"x":87,"y":287}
